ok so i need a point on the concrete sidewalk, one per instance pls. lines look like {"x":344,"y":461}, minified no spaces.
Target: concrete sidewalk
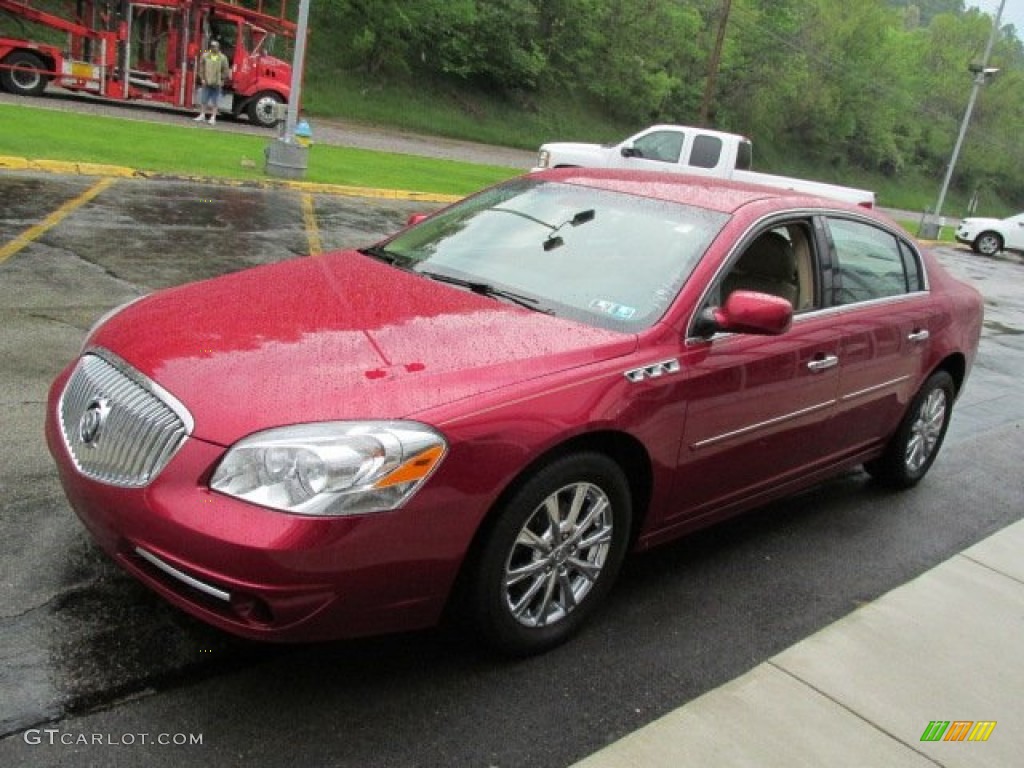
{"x":947,"y":646}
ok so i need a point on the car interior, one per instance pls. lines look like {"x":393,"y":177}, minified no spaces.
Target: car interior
{"x":778,"y":262}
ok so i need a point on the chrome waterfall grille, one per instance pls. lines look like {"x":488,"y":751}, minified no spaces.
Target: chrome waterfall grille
{"x":120,"y":427}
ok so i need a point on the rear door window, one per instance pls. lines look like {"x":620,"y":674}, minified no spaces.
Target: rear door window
{"x":872,"y":263}
{"x":706,"y":152}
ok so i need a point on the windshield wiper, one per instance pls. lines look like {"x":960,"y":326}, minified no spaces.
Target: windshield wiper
{"x":381,"y":253}
{"x":486,"y":289}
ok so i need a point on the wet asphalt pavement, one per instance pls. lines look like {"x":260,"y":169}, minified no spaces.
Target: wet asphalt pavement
{"x":59,"y":598}
{"x":85,"y":651}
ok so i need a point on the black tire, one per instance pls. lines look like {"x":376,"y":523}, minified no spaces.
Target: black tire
{"x":262,"y":109}
{"x":912,"y":450}
{"x":536,"y":583}
{"x":988,"y":243}
{"x":29,"y":79}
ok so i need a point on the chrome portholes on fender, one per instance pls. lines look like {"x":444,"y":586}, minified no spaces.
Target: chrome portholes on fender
{"x":653,"y":371}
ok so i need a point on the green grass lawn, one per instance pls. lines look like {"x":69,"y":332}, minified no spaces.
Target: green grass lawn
{"x":945,"y":233}
{"x":190,"y":150}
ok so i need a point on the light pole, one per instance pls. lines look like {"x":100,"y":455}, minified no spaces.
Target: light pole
{"x":286,"y":157}
{"x":931,"y":225}
{"x":298,"y":65}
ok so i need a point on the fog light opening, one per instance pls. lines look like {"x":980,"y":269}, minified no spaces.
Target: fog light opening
{"x":251,"y":609}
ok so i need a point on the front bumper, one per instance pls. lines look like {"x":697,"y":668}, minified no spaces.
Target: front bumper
{"x":264,"y":574}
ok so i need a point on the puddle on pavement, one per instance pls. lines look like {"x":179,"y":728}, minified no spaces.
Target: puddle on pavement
{"x":160,"y":234}
{"x":26,"y":200}
{"x":103,"y":638}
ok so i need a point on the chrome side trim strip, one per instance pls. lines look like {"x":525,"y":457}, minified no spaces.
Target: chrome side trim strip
{"x":875,"y":388}
{"x":184,"y":578}
{"x":761,"y":425}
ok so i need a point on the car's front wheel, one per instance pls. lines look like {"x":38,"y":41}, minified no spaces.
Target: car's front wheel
{"x":552,"y":554}
{"x":262,"y":110}
{"x":988,"y":243}
{"x":912,"y":450}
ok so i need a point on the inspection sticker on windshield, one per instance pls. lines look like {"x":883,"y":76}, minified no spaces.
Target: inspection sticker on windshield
{"x":619,"y":311}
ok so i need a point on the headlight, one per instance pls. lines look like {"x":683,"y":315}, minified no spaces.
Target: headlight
{"x":543,"y":159}
{"x":331,"y":468}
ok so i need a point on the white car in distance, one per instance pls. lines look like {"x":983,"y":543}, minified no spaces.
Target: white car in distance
{"x":990,"y":236}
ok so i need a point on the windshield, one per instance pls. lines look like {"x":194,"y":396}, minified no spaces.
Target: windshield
{"x":605,"y":258}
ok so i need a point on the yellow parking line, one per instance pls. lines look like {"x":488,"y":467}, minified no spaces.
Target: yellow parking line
{"x":32,"y":233}
{"x":309,"y":219}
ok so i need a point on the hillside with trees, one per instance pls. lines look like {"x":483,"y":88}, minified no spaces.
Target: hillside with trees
{"x":867,"y":89}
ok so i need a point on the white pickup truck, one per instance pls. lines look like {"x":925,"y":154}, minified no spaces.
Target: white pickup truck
{"x":697,"y":151}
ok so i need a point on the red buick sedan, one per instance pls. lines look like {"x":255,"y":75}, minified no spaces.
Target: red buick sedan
{"x":495,"y":405}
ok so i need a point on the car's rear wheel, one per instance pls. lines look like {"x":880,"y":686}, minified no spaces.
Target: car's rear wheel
{"x":912,"y":450}
{"x":988,"y":243}
{"x":552,"y":554}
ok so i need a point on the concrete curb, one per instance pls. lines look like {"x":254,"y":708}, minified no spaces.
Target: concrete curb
{"x":8,"y":163}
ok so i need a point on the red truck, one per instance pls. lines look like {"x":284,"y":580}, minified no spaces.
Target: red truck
{"x":117,"y":49}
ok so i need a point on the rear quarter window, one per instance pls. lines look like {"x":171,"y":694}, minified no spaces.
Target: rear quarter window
{"x":744,"y":156}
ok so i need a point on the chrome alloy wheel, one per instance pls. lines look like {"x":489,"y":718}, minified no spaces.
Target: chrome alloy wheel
{"x":926,"y":430}
{"x":558,"y":555}
{"x":989,"y":244}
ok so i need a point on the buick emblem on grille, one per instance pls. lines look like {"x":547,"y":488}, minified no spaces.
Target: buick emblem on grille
{"x":91,"y":424}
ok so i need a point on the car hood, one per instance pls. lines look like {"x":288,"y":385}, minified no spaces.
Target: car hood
{"x":982,"y":222}
{"x":570,"y":146}
{"x":568,"y":153}
{"x":335,"y":337}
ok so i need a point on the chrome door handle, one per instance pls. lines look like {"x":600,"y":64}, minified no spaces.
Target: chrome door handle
{"x":921,"y":335}
{"x":823,"y":363}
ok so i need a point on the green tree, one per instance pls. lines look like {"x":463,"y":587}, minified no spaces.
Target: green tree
{"x":877,"y":85}
{"x":643,"y":65}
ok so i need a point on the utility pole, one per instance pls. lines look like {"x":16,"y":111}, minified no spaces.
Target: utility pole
{"x":714,"y":64}
{"x":932,"y":224}
{"x":285,"y":157}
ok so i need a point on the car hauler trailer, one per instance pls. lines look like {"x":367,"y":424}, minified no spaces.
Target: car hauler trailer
{"x":147,"y":50}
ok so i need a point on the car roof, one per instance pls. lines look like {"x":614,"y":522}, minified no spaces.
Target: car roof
{"x":700,"y":191}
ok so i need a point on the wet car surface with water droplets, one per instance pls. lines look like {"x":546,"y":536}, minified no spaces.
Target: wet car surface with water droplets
{"x":490,"y":409}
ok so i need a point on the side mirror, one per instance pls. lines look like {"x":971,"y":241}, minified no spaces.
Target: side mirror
{"x":415,"y":219}
{"x":747,"y":312}
{"x":630,"y":151}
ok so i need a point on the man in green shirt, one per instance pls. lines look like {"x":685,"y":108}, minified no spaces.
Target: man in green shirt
{"x":214,"y":72}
